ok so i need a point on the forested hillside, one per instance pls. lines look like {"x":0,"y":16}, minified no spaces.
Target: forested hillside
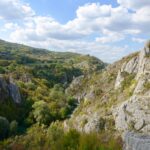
{"x":34,"y":101}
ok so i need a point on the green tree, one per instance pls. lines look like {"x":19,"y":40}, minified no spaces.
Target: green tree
{"x":64,"y":112}
{"x":41,"y":113}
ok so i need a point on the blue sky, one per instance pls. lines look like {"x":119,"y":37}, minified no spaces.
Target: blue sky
{"x":107,"y":29}
{"x":62,"y":10}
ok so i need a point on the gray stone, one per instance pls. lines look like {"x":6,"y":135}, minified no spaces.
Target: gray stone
{"x":129,"y":67}
{"x":14,"y":92}
{"x":135,"y":141}
{"x":139,"y":124}
{"x":136,"y":109}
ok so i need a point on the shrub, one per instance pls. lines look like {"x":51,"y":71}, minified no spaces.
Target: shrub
{"x":55,"y":135}
{"x":71,"y":140}
{"x":13,"y":127}
{"x":128,"y":79}
{"x":2,"y":70}
{"x":4,"y":127}
{"x":147,"y":85}
{"x":64,"y":112}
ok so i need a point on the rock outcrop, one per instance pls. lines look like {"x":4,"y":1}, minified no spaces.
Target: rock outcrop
{"x":106,"y":104}
{"x":130,"y":67}
{"x":134,"y":113}
{"x":136,"y":141}
{"x":9,"y":91}
{"x":80,"y":93}
{"x":139,"y":65}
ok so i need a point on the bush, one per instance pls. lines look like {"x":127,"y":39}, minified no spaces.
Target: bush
{"x":71,"y":140}
{"x":128,"y":80}
{"x":2,"y":70}
{"x":13,"y":127}
{"x":147,"y":85}
{"x":64,"y":112}
{"x":4,"y":127}
{"x":55,"y":135}
{"x":39,"y":138}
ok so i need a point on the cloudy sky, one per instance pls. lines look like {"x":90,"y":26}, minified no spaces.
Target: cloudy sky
{"x":107,"y":29}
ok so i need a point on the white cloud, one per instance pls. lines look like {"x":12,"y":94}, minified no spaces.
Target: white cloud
{"x":139,"y":40}
{"x":134,"y":4}
{"x":11,"y":26}
{"x":14,"y":9}
{"x":93,"y":10}
{"x":105,"y":24}
{"x":110,"y":37}
{"x":40,"y":28}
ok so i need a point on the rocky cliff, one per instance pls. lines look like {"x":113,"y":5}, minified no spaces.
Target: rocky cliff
{"x":116,"y":99}
{"x":9,"y":91}
{"x":134,"y":114}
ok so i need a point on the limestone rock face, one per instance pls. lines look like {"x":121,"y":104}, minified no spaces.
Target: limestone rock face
{"x":134,"y":113}
{"x":136,"y":142}
{"x":138,"y":65}
{"x":93,"y":124}
{"x":87,"y":123}
{"x":76,"y":83}
{"x":144,"y":62}
{"x":9,"y":90}
{"x":14,"y":91}
{"x":80,"y":94}
{"x":127,"y":108}
{"x":130,"y":67}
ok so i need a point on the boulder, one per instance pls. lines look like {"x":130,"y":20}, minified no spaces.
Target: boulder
{"x":134,"y":141}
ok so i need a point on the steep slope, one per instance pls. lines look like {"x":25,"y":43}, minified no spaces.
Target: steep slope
{"x":134,"y":112}
{"x":116,"y":100}
{"x":124,"y":84}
